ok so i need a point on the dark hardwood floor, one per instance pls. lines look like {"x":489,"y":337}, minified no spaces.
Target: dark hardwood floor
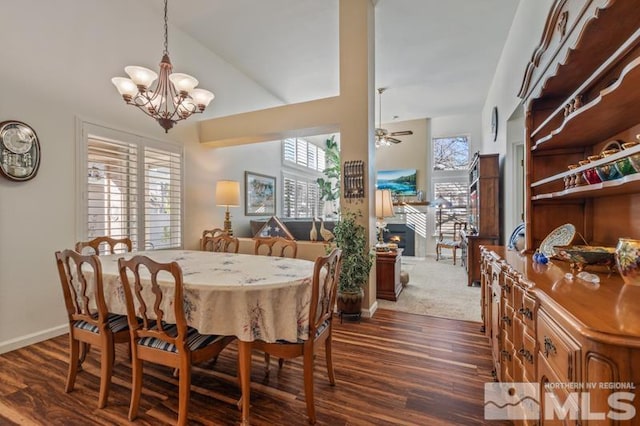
{"x":393,"y":369}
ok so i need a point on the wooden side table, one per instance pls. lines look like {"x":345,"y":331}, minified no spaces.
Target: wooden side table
{"x":388,"y":285}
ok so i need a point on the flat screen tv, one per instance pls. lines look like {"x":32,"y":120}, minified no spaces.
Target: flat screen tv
{"x":400,"y":182}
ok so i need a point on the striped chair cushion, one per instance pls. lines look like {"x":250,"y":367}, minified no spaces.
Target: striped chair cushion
{"x":195,"y":340}
{"x":450,"y":243}
{"x":115,"y":323}
{"x":319,"y":331}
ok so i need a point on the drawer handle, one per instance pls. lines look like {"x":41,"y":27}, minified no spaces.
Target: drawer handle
{"x":526,"y":355}
{"x":526,"y":312}
{"x":549,"y":347}
{"x":506,"y":320}
{"x":506,"y":354}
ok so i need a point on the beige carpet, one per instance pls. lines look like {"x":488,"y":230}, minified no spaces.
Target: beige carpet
{"x":437,"y":289}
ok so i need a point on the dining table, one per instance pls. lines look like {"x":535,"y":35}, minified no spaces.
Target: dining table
{"x":251,"y":297}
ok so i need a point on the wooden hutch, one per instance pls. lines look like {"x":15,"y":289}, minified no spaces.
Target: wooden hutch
{"x":483,"y":226}
{"x":581,"y":92}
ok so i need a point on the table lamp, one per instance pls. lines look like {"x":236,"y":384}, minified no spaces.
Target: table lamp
{"x":228,"y":195}
{"x":440,"y":203}
{"x":384,"y":208}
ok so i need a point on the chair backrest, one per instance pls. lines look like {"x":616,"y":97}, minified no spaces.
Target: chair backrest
{"x":223,"y":243}
{"x":146,"y":300}
{"x":102,"y":245}
{"x":81,"y":279}
{"x":457,"y":227}
{"x":210,"y":233}
{"x":276,"y":246}
{"x":326,"y":275}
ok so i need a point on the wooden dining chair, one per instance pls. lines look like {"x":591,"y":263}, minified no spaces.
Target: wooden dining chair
{"x":210,"y":233}
{"x":90,"y":323}
{"x":326,"y":274}
{"x":276,"y":246}
{"x":174,"y":345}
{"x":222,"y":243}
{"x":453,"y":243}
{"x":105,"y":244}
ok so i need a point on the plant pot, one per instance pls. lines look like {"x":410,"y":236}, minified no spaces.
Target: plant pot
{"x":350,"y":302}
{"x":627,"y":257}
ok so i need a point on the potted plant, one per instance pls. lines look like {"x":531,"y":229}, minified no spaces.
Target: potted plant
{"x":329,"y":185}
{"x":357,"y":259}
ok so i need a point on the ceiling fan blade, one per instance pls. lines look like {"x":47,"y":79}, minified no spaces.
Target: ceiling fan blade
{"x":393,"y":140}
{"x":401,"y":133}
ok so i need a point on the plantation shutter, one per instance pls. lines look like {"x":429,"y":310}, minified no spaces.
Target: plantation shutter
{"x":133,"y":188}
{"x":456,"y":193}
{"x":162,"y":207}
{"x":301,"y":197}
{"x":112,"y":190}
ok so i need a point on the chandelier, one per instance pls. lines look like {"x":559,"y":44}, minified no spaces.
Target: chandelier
{"x":174,"y":97}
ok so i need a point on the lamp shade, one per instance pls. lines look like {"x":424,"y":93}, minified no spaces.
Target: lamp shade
{"x":441,"y":202}
{"x":228,"y":193}
{"x":384,"y":204}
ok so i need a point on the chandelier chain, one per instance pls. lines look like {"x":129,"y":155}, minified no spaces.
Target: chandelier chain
{"x":166,"y":29}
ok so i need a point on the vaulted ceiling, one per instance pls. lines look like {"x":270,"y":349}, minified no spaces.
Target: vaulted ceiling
{"x":436,"y":57}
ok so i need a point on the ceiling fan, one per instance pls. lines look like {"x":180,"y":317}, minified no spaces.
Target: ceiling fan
{"x":383,"y":136}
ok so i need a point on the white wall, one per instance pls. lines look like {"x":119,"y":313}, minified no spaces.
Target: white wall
{"x":411,"y":153}
{"x":62,"y":58}
{"x":228,"y":163}
{"x":454,"y":125}
{"x":524,"y":36}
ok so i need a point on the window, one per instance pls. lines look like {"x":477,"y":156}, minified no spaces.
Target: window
{"x":301,"y":196}
{"x":303,"y":162}
{"x":133,"y":188}
{"x":451,"y":179}
{"x":301,"y":153}
{"x":451,"y":153}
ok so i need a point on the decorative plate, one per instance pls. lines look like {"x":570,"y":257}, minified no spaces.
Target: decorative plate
{"x":561,"y":236}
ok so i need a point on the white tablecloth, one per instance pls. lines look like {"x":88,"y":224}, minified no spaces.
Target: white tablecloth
{"x":251,"y":297}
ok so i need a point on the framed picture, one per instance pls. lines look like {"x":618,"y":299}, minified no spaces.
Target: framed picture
{"x":260,"y":194}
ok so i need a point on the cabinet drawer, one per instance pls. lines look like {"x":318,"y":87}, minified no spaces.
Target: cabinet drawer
{"x":528,"y":355}
{"x":557,"y":348}
{"x":553,"y":394}
{"x":507,"y":357}
{"x":529,"y":313}
{"x":507,"y":290}
{"x":507,"y":322}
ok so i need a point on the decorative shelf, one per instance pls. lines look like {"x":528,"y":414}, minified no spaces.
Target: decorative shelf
{"x":625,"y":185}
{"x":612,"y":111}
{"x":412,"y":203}
{"x":614,"y":157}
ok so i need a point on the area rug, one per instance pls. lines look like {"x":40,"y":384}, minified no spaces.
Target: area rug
{"x":437,"y":289}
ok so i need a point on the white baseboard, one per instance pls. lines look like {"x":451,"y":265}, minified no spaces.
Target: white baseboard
{"x":368,"y":313}
{"x":30,"y":339}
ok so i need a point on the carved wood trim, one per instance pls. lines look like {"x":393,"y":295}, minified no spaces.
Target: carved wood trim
{"x":557,"y":23}
{"x":547,"y":35}
{"x":605,"y":362}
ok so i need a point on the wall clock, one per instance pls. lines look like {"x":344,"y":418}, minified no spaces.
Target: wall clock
{"x":19,"y":151}
{"x":494,"y":123}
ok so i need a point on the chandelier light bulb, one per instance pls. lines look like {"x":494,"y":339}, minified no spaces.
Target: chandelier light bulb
{"x":202,"y":97}
{"x":126,"y":87}
{"x":141,"y":76}
{"x":183,"y":83}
